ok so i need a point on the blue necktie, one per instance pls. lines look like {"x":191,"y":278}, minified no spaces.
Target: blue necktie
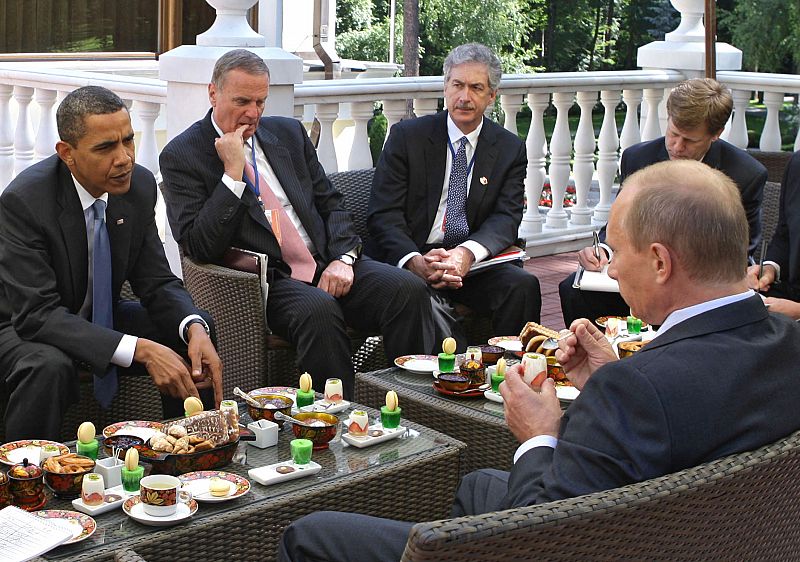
{"x":105,"y":387}
{"x":456,"y":228}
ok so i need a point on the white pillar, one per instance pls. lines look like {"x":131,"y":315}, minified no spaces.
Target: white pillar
{"x":511,"y":104}
{"x":360,"y":154}
{"x":23,"y":134}
{"x":326,"y":151}
{"x":147,"y":151}
{"x":737,"y":135}
{"x":536,"y":148}
{"x":6,"y":137}
{"x":425,"y":106}
{"x":652,"y":126}
{"x":607,"y":144}
{"x":583,"y":166}
{"x":46,"y":135}
{"x":771,"y":135}
{"x":394,"y":111}
{"x":631,"y":134}
{"x":560,"y":152}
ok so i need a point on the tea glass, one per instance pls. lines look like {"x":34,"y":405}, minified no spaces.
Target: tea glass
{"x":160,"y":495}
{"x":333,"y":391}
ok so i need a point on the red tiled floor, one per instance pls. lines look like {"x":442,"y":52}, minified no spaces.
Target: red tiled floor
{"x":551,"y":270}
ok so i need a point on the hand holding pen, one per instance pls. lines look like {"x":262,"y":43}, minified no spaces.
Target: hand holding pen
{"x":593,"y":258}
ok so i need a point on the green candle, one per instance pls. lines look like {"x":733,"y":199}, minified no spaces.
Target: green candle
{"x":304,"y":398}
{"x":496,"y":380}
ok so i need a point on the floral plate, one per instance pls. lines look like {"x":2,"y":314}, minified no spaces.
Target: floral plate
{"x":424,"y":364}
{"x":14,"y":452}
{"x":137,"y":428}
{"x":82,"y":526}
{"x":199,"y":481}
{"x":509,"y":343}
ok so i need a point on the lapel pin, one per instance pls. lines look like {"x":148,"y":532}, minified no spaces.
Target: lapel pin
{"x":483,"y":180}
{"x":120,"y":221}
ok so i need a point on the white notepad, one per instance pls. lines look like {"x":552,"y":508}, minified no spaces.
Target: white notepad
{"x":24,"y":536}
{"x":595,"y":281}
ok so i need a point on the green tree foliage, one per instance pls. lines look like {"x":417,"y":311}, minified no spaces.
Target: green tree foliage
{"x":766,"y":32}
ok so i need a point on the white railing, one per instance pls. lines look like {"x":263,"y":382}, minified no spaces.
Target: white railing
{"x":343,"y":108}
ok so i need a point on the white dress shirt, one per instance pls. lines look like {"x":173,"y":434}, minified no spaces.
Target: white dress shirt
{"x":675,"y":318}
{"x":123,"y":355}
{"x":436,"y":235}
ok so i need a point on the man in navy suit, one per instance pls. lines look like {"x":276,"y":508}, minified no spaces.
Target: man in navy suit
{"x":695,"y":393}
{"x":238,"y":179}
{"x":780,"y":278}
{"x":47,"y":280}
{"x":423,"y":220}
{"x":697,"y":111}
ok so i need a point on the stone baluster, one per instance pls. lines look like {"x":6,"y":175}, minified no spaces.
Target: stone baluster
{"x":147,"y":151}
{"x":652,"y":126}
{"x":23,"y":134}
{"x":299,"y":111}
{"x":771,"y":135}
{"x":560,"y":152}
{"x":583,"y":165}
{"x":536,"y":147}
{"x":326,"y":151}
{"x":425,"y":106}
{"x":631,"y":133}
{"x":6,"y":137}
{"x":46,"y":135}
{"x":737,"y":132}
{"x":394,"y":111}
{"x":607,"y":144}
{"x":511,"y":104}
{"x":360,"y":155}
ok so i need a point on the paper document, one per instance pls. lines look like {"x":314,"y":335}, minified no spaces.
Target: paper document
{"x":24,"y":536}
{"x":595,"y":281}
{"x":512,"y":253}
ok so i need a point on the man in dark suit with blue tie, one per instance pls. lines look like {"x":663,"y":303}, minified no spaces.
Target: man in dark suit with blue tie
{"x":697,"y":111}
{"x":695,"y":393}
{"x":448,"y":193}
{"x":73,"y":228}
{"x":238,"y":179}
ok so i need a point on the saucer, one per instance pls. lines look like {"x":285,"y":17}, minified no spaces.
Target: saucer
{"x":199,"y":481}
{"x":137,"y":428}
{"x":134,"y":508}
{"x":564,"y":393}
{"x":511,"y":344}
{"x":112,"y":499}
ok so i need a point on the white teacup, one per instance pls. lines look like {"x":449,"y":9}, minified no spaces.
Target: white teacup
{"x":160,"y":494}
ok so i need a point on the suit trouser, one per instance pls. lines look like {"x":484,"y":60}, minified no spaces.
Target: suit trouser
{"x":382,"y":299}
{"x":506,"y":292}
{"x":42,"y":382}
{"x":588,"y":304}
{"x":330,"y":536}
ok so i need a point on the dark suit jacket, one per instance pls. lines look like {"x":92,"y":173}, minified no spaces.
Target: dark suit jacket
{"x":747,"y":173}
{"x":720,"y":383}
{"x":207,"y":218}
{"x":784,"y":248}
{"x":410,"y":176}
{"x":44,"y":261}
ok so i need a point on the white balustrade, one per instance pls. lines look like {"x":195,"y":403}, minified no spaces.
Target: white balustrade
{"x":631,"y":134}
{"x":511,"y":104}
{"x":771,"y":134}
{"x":394,"y":111}
{"x":583,"y":166}
{"x":425,"y":106}
{"x":607,"y":145}
{"x":652,"y":125}
{"x":46,"y":134}
{"x":147,"y":153}
{"x":360,"y":155}
{"x":560,"y":152}
{"x":6,"y":137}
{"x":23,"y":134}
{"x":326,"y":151}
{"x":737,"y":132}
{"x":536,"y":147}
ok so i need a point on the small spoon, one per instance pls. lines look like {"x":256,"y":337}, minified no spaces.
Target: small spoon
{"x":552,"y":343}
{"x":283,"y":417}
{"x":247,"y":398}
{"x":483,"y":387}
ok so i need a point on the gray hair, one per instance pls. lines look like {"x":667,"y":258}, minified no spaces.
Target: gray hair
{"x":237,"y":59}
{"x":474,"y":52}
{"x":89,"y":100}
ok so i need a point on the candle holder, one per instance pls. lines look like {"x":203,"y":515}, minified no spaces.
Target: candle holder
{"x":304,"y":397}
{"x":88,"y":449}
{"x":447,"y":362}
{"x":390,"y":419}
{"x":131,"y":478}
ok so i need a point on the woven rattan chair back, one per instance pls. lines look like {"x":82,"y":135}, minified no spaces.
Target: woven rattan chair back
{"x":742,"y":507}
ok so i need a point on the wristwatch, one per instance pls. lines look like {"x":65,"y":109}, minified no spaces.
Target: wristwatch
{"x":194,"y":321}
{"x":347,"y":258}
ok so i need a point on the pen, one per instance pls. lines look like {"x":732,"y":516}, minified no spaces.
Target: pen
{"x":596,"y":244}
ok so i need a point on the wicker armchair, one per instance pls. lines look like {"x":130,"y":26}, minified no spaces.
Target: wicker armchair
{"x":774,"y":162}
{"x":742,"y":507}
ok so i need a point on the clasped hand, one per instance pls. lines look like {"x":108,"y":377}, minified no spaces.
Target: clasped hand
{"x":337,"y":279}
{"x":443,"y":269}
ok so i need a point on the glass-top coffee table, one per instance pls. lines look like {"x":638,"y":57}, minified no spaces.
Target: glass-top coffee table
{"x":413,"y":478}
{"x":478,"y":422}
